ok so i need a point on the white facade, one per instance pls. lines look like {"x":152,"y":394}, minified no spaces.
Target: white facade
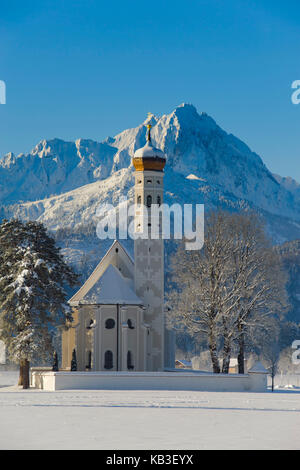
{"x":108,"y":332}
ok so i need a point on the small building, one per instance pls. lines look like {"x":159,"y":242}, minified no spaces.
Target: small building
{"x":183,"y":364}
{"x":233,"y":366}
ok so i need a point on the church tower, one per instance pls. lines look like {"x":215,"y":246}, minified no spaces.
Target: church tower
{"x":149,"y":164}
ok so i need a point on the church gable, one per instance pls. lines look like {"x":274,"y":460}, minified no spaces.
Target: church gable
{"x":117,"y":257}
{"x":112,"y":288}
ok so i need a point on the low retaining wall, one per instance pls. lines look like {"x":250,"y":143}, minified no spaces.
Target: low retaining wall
{"x":253,"y":381}
{"x":39,"y":371}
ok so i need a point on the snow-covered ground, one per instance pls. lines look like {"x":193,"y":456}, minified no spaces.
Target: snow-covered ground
{"x":34,"y":419}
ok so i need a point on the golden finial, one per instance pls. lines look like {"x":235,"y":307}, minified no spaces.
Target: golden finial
{"x":148,"y":133}
{"x":149,"y":127}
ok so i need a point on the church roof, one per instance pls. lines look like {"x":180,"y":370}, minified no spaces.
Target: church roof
{"x":111,"y":282}
{"x":148,"y":151}
{"x":112,"y":288}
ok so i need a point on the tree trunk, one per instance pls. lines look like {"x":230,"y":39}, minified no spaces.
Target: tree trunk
{"x":25,"y":374}
{"x":213,"y":354}
{"x":226,"y":356}
{"x":241,"y":354}
{"x":20,"y":382}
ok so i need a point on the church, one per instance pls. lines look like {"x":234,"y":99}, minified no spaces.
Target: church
{"x":119,"y":321}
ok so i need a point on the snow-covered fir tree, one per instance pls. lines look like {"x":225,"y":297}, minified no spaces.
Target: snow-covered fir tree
{"x":33,"y":299}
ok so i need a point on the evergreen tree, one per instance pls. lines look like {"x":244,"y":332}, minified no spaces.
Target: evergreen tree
{"x":33,"y":275}
{"x":74,"y":361}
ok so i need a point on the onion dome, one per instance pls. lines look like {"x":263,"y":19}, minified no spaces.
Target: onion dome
{"x":149,"y":157}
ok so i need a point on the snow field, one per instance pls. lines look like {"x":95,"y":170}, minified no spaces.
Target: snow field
{"x":120,"y":420}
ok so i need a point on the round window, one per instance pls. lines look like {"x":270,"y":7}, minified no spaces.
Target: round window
{"x":110,"y":323}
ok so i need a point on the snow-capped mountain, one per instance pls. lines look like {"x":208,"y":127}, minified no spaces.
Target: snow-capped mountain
{"x":290,"y":184}
{"x":62,"y":183}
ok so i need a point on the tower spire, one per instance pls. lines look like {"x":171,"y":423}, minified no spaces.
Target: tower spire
{"x":149,"y":127}
{"x":149,"y":157}
{"x":148,"y":133}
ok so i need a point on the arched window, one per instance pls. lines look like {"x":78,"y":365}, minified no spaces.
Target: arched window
{"x":149,"y":200}
{"x":110,"y":323}
{"x":139,"y":200}
{"x":159,"y":200}
{"x":130,"y":365}
{"x":108,"y":360}
{"x":89,"y":360}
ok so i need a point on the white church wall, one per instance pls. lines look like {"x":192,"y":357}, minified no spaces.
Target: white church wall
{"x":255,"y":382}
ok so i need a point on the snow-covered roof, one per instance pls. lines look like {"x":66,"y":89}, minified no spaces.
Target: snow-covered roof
{"x":184,"y":362}
{"x":111,"y":282}
{"x":148,"y":151}
{"x":258,"y":368}
{"x":112,"y":288}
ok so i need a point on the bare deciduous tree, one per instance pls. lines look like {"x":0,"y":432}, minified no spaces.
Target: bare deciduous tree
{"x":229,"y":288}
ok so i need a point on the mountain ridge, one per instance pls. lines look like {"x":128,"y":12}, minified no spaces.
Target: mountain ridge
{"x":205,"y":164}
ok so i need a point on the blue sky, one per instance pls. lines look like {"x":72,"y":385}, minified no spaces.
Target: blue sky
{"x":89,"y":68}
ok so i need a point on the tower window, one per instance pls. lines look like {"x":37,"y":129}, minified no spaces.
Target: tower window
{"x":149,"y":181}
{"x":108,"y":360}
{"x":149,"y":200}
{"x":130,"y":324}
{"x":110,"y":324}
{"x":158,"y":182}
{"x":159,"y":200}
{"x":139,"y":200}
